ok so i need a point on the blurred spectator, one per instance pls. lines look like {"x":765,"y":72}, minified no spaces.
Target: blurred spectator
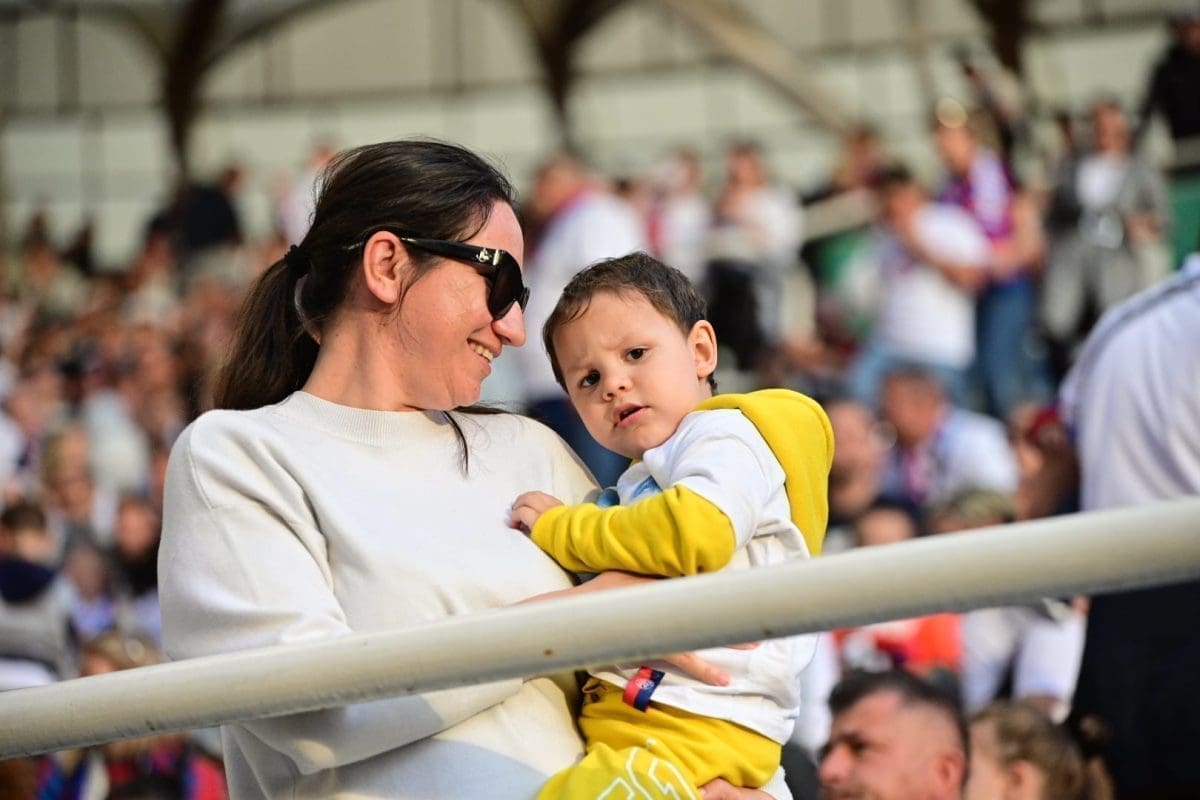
{"x":997,"y":94}
{"x":940,"y":449}
{"x":860,"y":166}
{"x":1130,"y":409}
{"x":47,"y":284}
{"x":893,"y":736}
{"x":856,"y":474}
{"x":78,"y":508}
{"x":208,"y":215}
{"x":35,"y":646}
{"x":1030,"y":653}
{"x":980,"y":183}
{"x":151,"y":293}
{"x":79,"y":252}
{"x":927,"y":646}
{"x":91,"y":598}
{"x":1021,"y":421}
{"x":931,"y":259}
{"x":577,"y":222}
{"x":1174,"y":86}
{"x":757,"y":229}
{"x":18,"y":779}
{"x":681,"y":217}
{"x":1172,"y":90}
{"x":1107,"y":219}
{"x":294,"y":209}
{"x":135,"y":558}
{"x":1018,"y":753}
{"x":157,"y":767}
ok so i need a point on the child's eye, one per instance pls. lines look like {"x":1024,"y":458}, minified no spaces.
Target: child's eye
{"x":591,"y":379}
{"x":636,"y":353}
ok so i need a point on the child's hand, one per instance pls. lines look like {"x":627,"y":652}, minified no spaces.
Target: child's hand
{"x":528,"y":507}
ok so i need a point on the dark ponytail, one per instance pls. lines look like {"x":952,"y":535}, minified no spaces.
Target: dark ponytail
{"x":418,"y":187}
{"x":271,"y":355}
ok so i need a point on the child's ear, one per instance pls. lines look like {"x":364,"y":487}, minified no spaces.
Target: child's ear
{"x":703,"y":343}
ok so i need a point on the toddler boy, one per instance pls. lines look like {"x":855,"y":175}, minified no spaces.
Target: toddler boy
{"x":726,"y":482}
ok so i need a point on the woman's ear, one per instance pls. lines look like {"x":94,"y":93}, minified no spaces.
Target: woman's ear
{"x":385,"y":267}
{"x":703,"y":343}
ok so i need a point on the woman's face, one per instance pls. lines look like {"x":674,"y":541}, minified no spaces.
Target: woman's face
{"x":447,"y":337}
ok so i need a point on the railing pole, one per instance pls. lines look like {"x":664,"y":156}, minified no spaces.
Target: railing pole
{"x":1083,"y":553}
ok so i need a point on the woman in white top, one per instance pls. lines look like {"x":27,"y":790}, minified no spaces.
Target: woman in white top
{"x":344,"y":486}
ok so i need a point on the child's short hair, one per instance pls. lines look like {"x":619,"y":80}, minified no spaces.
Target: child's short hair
{"x":664,"y":287}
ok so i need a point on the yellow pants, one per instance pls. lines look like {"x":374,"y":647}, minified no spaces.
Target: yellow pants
{"x":662,"y":752}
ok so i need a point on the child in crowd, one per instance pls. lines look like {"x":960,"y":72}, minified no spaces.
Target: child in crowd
{"x":726,"y":482}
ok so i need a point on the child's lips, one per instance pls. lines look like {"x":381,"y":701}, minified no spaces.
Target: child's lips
{"x":627,"y":416}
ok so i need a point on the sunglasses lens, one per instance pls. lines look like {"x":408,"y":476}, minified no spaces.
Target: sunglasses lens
{"x":506,"y":289}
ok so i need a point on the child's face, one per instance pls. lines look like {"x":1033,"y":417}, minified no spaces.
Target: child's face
{"x":631,"y":373}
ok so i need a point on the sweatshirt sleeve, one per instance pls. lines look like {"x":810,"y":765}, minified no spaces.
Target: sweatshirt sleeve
{"x":253,"y":572}
{"x":674,"y":533}
{"x":717,"y":474}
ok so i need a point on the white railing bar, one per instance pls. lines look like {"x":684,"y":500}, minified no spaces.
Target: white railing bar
{"x":1082,"y":553}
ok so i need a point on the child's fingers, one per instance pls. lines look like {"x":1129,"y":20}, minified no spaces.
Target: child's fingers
{"x":522,"y":518}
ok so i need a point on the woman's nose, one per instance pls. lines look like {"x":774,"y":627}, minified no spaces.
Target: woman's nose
{"x":511,"y":327}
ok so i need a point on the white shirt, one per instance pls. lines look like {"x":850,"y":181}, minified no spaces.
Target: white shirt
{"x":727,"y":462}
{"x":1133,"y":397}
{"x":307,"y":520}
{"x":922,"y":315}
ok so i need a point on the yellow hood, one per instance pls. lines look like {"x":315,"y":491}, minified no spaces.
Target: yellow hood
{"x":798,"y":432}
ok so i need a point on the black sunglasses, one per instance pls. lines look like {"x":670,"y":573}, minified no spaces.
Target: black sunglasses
{"x":498,"y":266}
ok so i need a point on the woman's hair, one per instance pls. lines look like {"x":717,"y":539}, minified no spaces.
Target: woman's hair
{"x":419,"y":188}
{"x":1070,"y":763}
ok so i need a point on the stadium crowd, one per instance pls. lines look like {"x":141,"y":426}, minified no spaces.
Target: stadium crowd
{"x":935,"y":322}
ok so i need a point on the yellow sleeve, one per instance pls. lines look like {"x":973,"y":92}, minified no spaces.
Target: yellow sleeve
{"x":671,"y":534}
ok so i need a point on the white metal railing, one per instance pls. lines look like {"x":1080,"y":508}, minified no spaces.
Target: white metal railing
{"x":1082,"y":553}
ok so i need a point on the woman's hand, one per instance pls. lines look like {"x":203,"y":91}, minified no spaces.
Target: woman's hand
{"x":528,"y":507}
{"x":721,"y":789}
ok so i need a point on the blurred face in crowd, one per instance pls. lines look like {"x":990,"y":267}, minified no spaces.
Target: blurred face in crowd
{"x":913,"y":406}
{"x":745,"y":167}
{"x":1110,"y":129}
{"x":956,"y":145}
{"x":446,"y":337}
{"x":900,"y":202}
{"x":137,"y":529}
{"x":883,"y":526}
{"x":860,"y":448}
{"x":883,"y":749}
{"x":630,"y":371}
{"x":555,"y":183}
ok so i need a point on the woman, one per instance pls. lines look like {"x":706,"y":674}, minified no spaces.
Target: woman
{"x":344,"y":487}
